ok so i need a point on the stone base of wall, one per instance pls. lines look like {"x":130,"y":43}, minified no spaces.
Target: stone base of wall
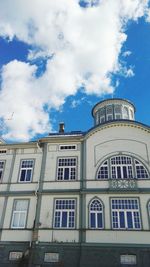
{"x":73,"y":255}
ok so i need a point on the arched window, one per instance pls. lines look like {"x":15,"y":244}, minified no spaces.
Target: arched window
{"x":122,"y":167}
{"x":96,"y":214}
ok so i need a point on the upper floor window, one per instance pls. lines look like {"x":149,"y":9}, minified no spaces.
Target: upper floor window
{"x":125,"y":113}
{"x":125,"y":213}
{"x":67,"y":169}
{"x":26,"y":170}
{"x":68,"y":147}
{"x":117,"y":110}
{"x":19,"y":214}
{"x":122,"y":167}
{"x":96,"y":214}
{"x":2,"y":163}
{"x":64,"y":215}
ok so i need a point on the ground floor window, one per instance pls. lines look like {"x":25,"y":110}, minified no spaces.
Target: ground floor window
{"x":15,"y":255}
{"x":128,"y":259}
{"x":125,"y":213}
{"x":51,"y":257}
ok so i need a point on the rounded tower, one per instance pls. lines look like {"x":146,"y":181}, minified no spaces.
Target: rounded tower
{"x":113,"y":109}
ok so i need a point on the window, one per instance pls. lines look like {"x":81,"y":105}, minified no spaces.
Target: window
{"x":103,"y":171}
{"x":141,"y":172}
{"x":26,"y":170}
{"x":117,"y":112}
{"x":125,"y":113}
{"x":51,"y":257}
{"x":19,"y":214}
{"x":125,"y":214}
{"x":15,"y":255}
{"x":67,"y":147}
{"x":1,"y":169}
{"x":67,"y":169}
{"x":96,"y":214}
{"x":102,"y":115}
{"x":102,"y":119}
{"x":122,"y":167}
{"x":109,"y":112}
{"x":97,"y":117}
{"x":3,"y":151}
{"x":128,"y":259}
{"x":64,"y":216}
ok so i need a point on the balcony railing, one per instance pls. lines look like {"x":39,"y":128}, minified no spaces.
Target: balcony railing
{"x":123,"y":184}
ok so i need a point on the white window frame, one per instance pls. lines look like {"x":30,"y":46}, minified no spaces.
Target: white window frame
{"x":122,"y":167}
{"x":96,"y":211}
{"x":130,"y":209}
{"x":26,"y":169}
{"x":63,"y":209}
{"x":2,"y":165}
{"x":67,"y":169}
{"x":125,"y":113}
{"x":19,"y":213}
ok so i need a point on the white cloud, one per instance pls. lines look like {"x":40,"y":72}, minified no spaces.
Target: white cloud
{"x":126,"y":53}
{"x":85,"y":45}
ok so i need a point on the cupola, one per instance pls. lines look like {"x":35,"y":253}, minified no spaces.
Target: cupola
{"x":113,"y":109}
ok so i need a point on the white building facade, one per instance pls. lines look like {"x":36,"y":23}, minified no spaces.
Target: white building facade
{"x":79,"y":199}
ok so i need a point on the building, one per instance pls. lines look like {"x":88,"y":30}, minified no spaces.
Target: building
{"x":78,"y":199}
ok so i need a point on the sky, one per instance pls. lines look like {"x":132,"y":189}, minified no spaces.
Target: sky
{"x":59,"y":58}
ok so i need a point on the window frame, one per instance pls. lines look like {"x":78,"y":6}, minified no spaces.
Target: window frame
{"x":2,"y":173}
{"x":53,"y":260}
{"x":62,"y":170}
{"x":26,"y":214}
{"x":125,"y":217}
{"x":17,"y":258}
{"x":124,"y":262}
{"x":68,"y":147}
{"x":143,"y":166}
{"x":60,"y":223}
{"x":21,"y":168}
{"x":102,"y":213}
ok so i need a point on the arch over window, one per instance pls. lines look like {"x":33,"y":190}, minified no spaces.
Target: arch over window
{"x":122,"y":167}
{"x":96,"y":220}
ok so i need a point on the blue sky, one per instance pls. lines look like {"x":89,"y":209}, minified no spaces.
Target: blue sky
{"x":55,"y":69}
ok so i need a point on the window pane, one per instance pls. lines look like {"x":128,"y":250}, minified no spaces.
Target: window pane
{"x":122,"y":219}
{"x":64,"y":219}
{"x":23,"y":175}
{"x":99,"y":222}
{"x":66,"y":176}
{"x":22,"y":220}
{"x":15,"y":220}
{"x":93,"y":225}
{"x":28,"y":175}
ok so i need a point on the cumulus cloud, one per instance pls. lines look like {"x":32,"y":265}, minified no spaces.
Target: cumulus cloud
{"x":81,"y":47}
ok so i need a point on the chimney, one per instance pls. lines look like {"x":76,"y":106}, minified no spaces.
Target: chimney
{"x":61,"y":127}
